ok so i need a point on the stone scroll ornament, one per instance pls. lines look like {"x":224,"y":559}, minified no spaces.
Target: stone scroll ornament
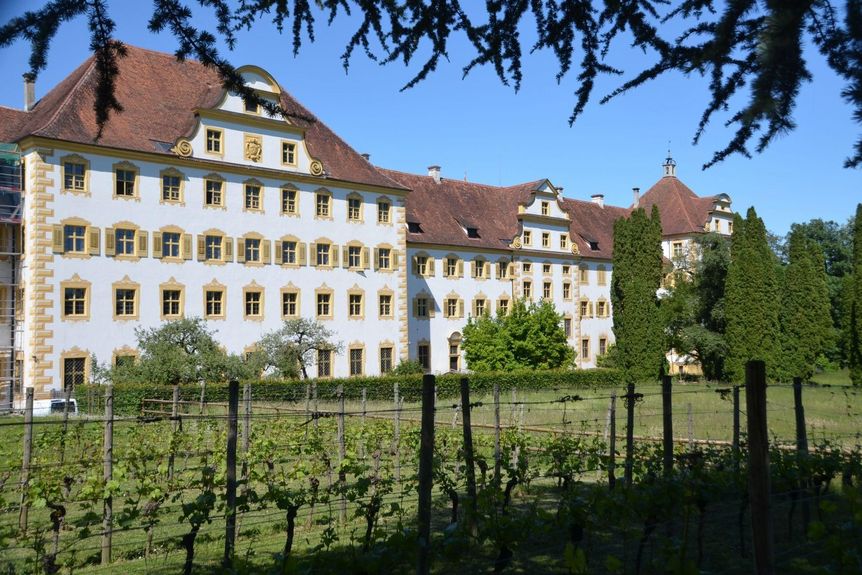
{"x":316,"y":168}
{"x":183,"y":148}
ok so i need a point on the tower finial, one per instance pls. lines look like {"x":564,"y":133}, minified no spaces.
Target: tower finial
{"x":669,"y":163}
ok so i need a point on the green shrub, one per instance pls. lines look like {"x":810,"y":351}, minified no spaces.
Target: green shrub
{"x":128,"y":398}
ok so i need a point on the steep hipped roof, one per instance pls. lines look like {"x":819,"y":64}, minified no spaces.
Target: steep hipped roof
{"x":593,"y":226}
{"x":159,"y":95}
{"x":681,"y":210}
{"x":443,"y":210}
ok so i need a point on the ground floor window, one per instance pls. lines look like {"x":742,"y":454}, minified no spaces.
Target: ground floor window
{"x":385,"y":359}
{"x":424,"y":355}
{"x":356,"y":361}
{"x":74,"y":371}
{"x":324,"y":363}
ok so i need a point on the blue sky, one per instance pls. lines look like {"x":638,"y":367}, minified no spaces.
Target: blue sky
{"x":481,"y":128}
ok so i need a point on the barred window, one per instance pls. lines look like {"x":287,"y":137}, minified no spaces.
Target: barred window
{"x":74,"y":371}
{"x":356,"y":361}
{"x":324,"y":363}
{"x":385,"y":359}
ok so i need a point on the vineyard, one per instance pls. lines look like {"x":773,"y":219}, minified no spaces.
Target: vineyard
{"x":564,"y":480}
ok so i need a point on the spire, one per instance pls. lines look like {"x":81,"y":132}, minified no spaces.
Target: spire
{"x":669,"y":165}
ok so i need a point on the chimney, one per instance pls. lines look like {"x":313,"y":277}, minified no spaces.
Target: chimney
{"x":367,"y":156}
{"x":598,"y":199}
{"x":29,"y":91}
{"x":434,"y":172}
{"x":636,"y":193}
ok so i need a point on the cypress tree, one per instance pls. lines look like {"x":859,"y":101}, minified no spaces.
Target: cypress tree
{"x":806,"y":321}
{"x":752,"y":299}
{"x":636,"y":278}
{"x":854,"y":297}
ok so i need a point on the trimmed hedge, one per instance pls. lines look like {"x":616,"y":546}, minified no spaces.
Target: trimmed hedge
{"x":128,"y":397}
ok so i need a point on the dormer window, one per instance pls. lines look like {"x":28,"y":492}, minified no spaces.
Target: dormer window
{"x":473,"y":233}
{"x":546,"y":208}
{"x":288,"y":153}
{"x":251,"y":107}
{"x":414,"y":228}
{"x":594,"y":246}
{"x":214,"y":141}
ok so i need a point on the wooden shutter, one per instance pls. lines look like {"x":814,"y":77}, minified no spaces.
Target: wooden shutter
{"x":416,"y":307}
{"x":333,"y":255}
{"x":488,"y":270}
{"x":94,"y":237}
{"x":459,"y":268}
{"x":110,"y":246}
{"x":240,"y":250}
{"x":187,"y":246}
{"x":431,"y":310}
{"x":415,"y":266}
{"x":429,"y":270}
{"x":364,"y":258}
{"x":157,"y":244}
{"x":227,"y":249}
{"x":302,"y":252}
{"x":57,"y":243}
{"x":377,"y":259}
{"x":143,"y":244}
{"x":393,"y":259}
{"x":279,"y":252}
{"x":202,"y":248}
{"x":473,"y":269}
{"x":460,"y":308}
{"x":266,"y":251}
{"x":345,"y":253}
{"x":312,"y":250}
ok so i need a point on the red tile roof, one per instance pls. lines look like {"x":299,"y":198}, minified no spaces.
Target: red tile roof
{"x":159,"y":95}
{"x":681,"y":210}
{"x":593,"y":226}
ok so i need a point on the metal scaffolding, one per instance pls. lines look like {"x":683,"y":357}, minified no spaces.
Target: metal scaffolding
{"x":11,"y":292}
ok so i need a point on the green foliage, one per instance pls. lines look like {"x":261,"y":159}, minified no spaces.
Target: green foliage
{"x":637,"y":274}
{"x":806,"y":324}
{"x":128,"y":397}
{"x":292,"y":349}
{"x":407,"y":367}
{"x":528,"y":337}
{"x":854,"y":301}
{"x":752,"y":299}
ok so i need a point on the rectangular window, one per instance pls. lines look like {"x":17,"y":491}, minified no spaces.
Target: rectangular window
{"x":354,"y":305}
{"x":527,"y":268}
{"x":354,"y":256}
{"x":252,"y":197}
{"x":546,"y":268}
{"x":74,"y":372}
{"x":384,"y":210}
{"x":421,"y":307}
{"x":386,"y":359}
{"x":567,"y":290}
{"x":354,"y":209}
{"x":288,"y":252}
{"x":124,"y":242}
{"x":567,"y":326}
{"x":253,"y":304}
{"x":171,"y":188}
{"x":546,"y":290}
{"x":171,"y":302}
{"x":479,"y":269}
{"x":290,"y":304}
{"x":528,"y":289}
{"x":451,"y":307}
{"x":600,"y":308}
{"x":503,"y":307}
{"x":546,"y":240}
{"x":422,"y":265}
{"x":214,"y":195}
{"x":74,"y":176}
{"x":585,"y":349}
{"x":479,"y":307}
{"x":322,"y":205}
{"x":584,"y":308}
{"x":385,"y":305}
{"x":677,"y":249}
{"x":356,"y":361}
{"x":214,"y":303}
{"x":603,"y":346}
{"x":324,"y":305}
{"x":213,"y":247}
{"x":288,"y":202}
{"x":74,"y":302}
{"x":125,"y":186}
{"x":288,"y":153}
{"x":528,"y":237}
{"x":252,"y":250}
{"x":214,"y":141}
{"x":546,"y":208}
{"x":324,"y":363}
{"x":124,"y":360}
{"x":125,"y":302}
{"x":74,"y":239}
{"x":584,"y":276}
{"x":424,"y":355}
{"x":251,"y":107}
{"x":451,"y":267}
{"x":454,"y":358}
{"x":171,"y":244}
{"x":566,"y":269}
{"x":384,"y":258}
{"x":502,"y":270}
{"x":564,"y":242}
{"x":323,"y":254}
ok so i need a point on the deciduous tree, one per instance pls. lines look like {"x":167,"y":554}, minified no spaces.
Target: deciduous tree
{"x":292,"y":349}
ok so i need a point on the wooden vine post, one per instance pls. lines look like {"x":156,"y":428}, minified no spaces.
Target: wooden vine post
{"x":497,"y":453}
{"x":396,"y":435}
{"x":108,"y":473}
{"x":175,"y":420}
{"x":426,"y":457}
{"x":801,"y":449}
{"x":667,"y":423}
{"x":758,"y":467}
{"x":25,"y":463}
{"x":630,"y":434}
{"x":230,"y":474}
{"x":612,"y":446}
{"x":246,"y":433}
{"x":735,"y":440}
{"x":470,"y":469}
{"x":342,"y":454}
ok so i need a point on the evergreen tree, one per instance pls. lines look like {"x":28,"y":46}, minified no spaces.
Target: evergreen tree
{"x":751,"y":298}
{"x":854,"y":299}
{"x":637,"y":272}
{"x":806,"y":323}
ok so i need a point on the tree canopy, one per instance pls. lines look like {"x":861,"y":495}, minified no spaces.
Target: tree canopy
{"x":751,"y":52}
{"x":636,"y":277}
{"x":292,"y":349}
{"x":528,"y":337}
{"x":853,"y":305}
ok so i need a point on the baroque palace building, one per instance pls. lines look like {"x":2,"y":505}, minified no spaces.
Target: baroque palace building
{"x":193,"y":203}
